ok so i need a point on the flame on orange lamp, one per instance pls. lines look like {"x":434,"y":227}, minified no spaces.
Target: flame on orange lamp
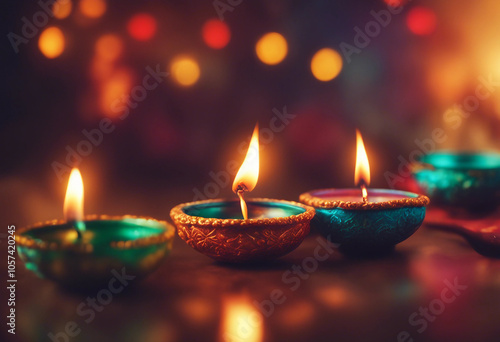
{"x":73,"y":202}
{"x":362,"y":170}
{"x":248,"y":174}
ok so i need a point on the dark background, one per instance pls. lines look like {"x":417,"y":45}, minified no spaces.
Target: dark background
{"x":395,"y":91}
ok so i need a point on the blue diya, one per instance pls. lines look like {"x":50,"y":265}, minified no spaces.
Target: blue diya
{"x":370,"y":227}
{"x":470,"y":180}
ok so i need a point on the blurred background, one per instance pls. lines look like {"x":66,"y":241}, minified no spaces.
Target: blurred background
{"x":85,"y":83}
{"x":155,"y":101}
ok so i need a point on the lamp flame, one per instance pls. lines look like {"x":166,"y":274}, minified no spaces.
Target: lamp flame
{"x":362,"y":170}
{"x":248,"y":174}
{"x":73,"y":202}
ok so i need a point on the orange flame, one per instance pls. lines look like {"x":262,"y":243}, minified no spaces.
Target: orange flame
{"x":73,"y":203}
{"x":362,"y":170}
{"x":248,"y":174}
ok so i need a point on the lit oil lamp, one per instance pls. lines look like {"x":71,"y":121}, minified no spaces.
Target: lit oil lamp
{"x":82,"y":251}
{"x":243,"y":230}
{"x":467,"y":180}
{"x":366,"y":221}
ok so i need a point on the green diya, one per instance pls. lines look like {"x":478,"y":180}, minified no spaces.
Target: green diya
{"x":469,"y":180}
{"x":82,"y":252}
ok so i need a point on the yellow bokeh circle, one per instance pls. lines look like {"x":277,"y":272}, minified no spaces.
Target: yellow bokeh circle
{"x":185,"y":70}
{"x":271,"y":48}
{"x":51,"y":42}
{"x":326,"y":64}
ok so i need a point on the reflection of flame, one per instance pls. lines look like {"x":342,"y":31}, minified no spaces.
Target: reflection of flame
{"x":362,"y":170}
{"x":73,"y":203}
{"x":248,"y":174}
{"x":240,"y":321}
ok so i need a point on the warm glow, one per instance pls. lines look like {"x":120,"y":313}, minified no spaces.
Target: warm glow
{"x":447,"y":76}
{"x":62,"y":8}
{"x":395,"y":3}
{"x":185,"y":70}
{"x":215,"y":33}
{"x":241,"y":321}
{"x":421,"y":20}
{"x":142,"y":26}
{"x":271,"y":48}
{"x":114,"y":91}
{"x":51,"y":42}
{"x":108,"y":47}
{"x":362,"y":170}
{"x":326,"y":64}
{"x":92,"y":8}
{"x":248,"y":174}
{"x":73,"y":203}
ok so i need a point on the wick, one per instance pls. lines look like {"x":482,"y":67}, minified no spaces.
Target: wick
{"x":240,"y":190}
{"x":364,"y":192}
{"x":79,"y":227}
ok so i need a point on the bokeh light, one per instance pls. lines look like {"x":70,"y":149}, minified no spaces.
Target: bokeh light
{"x":92,"y":8}
{"x":396,"y":3}
{"x":114,"y":92}
{"x":109,"y":47}
{"x":51,"y":42}
{"x":446,"y":77}
{"x":185,"y":70}
{"x":271,"y":48}
{"x":238,"y":309}
{"x":142,"y":26}
{"x":62,"y":8}
{"x":326,"y":64}
{"x":421,"y":20}
{"x":216,"y":33}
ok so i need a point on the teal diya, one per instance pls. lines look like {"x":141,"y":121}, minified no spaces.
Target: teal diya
{"x":469,"y":180}
{"x":82,"y":252}
{"x":362,"y":221}
{"x":243,"y":231}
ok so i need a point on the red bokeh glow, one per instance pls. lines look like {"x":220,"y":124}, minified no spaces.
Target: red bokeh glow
{"x":142,"y":26}
{"x":216,"y":34}
{"x":421,"y":20}
{"x":395,"y":3}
